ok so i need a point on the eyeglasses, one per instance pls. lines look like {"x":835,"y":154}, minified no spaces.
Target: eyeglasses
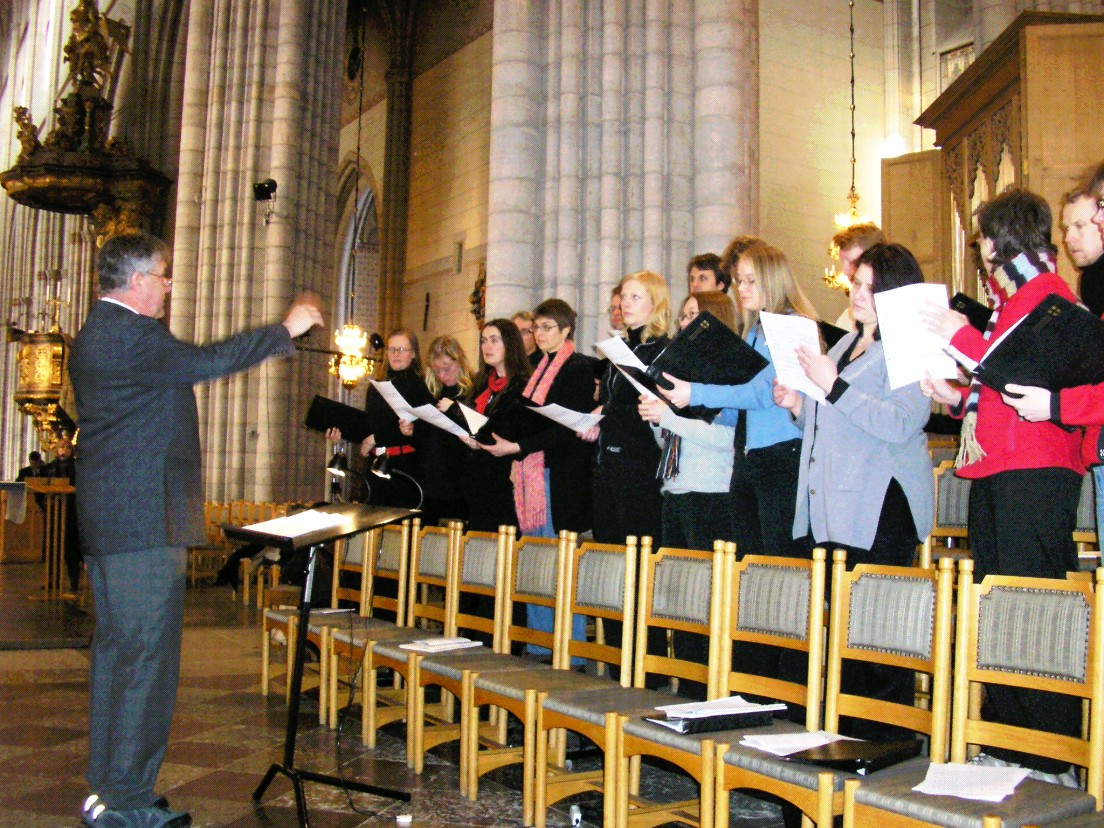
{"x":546,"y":327}
{"x":1100,"y":204}
{"x":164,"y":276}
{"x":399,"y":350}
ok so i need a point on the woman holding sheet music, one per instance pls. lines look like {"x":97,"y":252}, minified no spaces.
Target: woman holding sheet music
{"x":695,"y":469}
{"x":1026,"y":476}
{"x":865,"y":481}
{"x":504,"y":370}
{"x":768,"y":444}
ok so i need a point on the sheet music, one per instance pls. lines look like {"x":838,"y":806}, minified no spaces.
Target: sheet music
{"x":474,"y":419}
{"x":435,"y":417}
{"x":716,"y":707}
{"x":977,"y":782}
{"x":785,"y":334}
{"x":619,"y":353}
{"x":295,"y":525}
{"x":574,"y":420}
{"x":783,"y":744}
{"x":910,"y":347}
{"x":394,"y":399}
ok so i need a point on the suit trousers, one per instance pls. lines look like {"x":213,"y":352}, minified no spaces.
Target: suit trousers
{"x":134,"y":671}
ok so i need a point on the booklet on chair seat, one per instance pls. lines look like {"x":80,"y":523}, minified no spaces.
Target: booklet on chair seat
{"x":858,"y":756}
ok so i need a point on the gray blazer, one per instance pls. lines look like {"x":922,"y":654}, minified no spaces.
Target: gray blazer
{"x":138,"y":459}
{"x":868,"y":437}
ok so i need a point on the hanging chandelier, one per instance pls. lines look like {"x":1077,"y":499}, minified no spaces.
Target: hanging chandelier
{"x":350,"y":365}
{"x":833,"y":278}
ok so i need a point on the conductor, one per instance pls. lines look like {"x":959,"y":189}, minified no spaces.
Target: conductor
{"x":139,"y":510}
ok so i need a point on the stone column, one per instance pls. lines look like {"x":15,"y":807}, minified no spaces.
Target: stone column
{"x":991,"y":17}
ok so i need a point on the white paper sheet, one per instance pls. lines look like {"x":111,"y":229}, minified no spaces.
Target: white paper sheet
{"x":433,"y":416}
{"x":783,"y":744}
{"x":474,"y":419}
{"x":910,"y":348}
{"x":295,"y":525}
{"x":716,"y":707}
{"x":619,"y":353}
{"x":977,"y":782}
{"x":574,"y":420}
{"x":394,"y":399}
{"x":785,"y":334}
{"x":440,"y":645}
{"x":16,"y":504}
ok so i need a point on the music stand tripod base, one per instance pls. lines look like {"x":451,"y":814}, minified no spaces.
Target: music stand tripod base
{"x":359,"y":518}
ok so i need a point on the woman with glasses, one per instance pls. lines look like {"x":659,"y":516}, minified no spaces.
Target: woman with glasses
{"x":768,"y":444}
{"x":695,"y":469}
{"x":552,"y":468}
{"x":404,"y":371}
{"x":448,"y":379}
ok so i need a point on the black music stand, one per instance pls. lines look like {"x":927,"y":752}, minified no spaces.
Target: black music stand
{"x":356,"y":518}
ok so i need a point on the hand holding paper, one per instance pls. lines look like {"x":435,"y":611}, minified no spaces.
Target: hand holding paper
{"x":910,"y":344}
{"x":785,"y":334}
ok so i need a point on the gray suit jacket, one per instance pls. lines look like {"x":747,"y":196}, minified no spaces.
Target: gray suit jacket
{"x":138,"y":451}
{"x":852,"y":448}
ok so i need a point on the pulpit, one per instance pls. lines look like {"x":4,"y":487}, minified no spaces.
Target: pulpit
{"x":55,"y":491}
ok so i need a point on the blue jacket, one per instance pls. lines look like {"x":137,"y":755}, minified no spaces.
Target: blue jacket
{"x":767,"y":424}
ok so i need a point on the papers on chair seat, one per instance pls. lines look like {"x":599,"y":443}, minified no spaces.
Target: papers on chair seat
{"x":730,"y":713}
{"x":298,"y":524}
{"x":440,"y":645}
{"x":978,"y":782}
{"x":783,"y":744}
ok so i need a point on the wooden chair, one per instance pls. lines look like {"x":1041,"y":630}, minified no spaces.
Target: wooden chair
{"x":429,"y":603}
{"x":1084,"y":529}
{"x":778,"y":602}
{"x":481,"y":566}
{"x":1033,"y":633}
{"x":539,"y":572}
{"x":952,"y":507}
{"x":637,"y":737}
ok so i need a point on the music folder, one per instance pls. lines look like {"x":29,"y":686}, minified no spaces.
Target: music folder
{"x":977,"y":313}
{"x":1058,"y":345}
{"x":708,"y":352}
{"x":325,"y":414}
{"x":858,"y":756}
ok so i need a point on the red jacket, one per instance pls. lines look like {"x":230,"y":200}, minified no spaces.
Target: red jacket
{"x":1009,"y":442}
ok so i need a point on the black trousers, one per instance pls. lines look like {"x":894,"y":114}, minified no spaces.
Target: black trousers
{"x":694,"y":520}
{"x":134,"y":670}
{"x":764,"y":496}
{"x":627,"y":502}
{"x":1021,"y":523}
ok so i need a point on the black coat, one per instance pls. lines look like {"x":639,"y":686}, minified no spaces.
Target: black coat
{"x":568,"y":459}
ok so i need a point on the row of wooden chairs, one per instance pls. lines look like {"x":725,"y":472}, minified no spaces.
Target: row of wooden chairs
{"x":205,"y":560}
{"x":895,"y":616}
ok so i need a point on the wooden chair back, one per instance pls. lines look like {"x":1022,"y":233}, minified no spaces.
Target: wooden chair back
{"x":952,"y":504}
{"x":1037,"y":633}
{"x":895,"y":616}
{"x":682,"y":590}
{"x":779,"y":602}
{"x":389,"y":563}
{"x":535,"y":575}
{"x":432,"y":561}
{"x":602,"y":586}
{"x":481,"y":564}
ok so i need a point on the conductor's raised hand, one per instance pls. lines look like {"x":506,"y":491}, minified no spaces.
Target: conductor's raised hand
{"x":303,"y":315}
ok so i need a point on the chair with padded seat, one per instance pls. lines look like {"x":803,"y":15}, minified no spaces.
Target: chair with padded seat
{"x":1036,"y":633}
{"x":952,"y":508}
{"x":779,"y":602}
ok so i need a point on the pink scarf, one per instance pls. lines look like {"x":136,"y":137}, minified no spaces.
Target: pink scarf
{"x":528,"y":474}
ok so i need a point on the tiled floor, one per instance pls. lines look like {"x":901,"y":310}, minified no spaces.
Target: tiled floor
{"x":225,"y":736}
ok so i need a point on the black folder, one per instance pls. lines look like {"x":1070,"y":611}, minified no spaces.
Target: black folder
{"x":973,"y":310}
{"x":325,"y":413}
{"x":724,"y":721}
{"x":1058,"y":345}
{"x":709,"y":352}
{"x":858,"y":756}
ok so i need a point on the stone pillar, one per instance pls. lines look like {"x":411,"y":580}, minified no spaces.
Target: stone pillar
{"x":624,"y":135}
{"x":401,"y":17}
{"x":991,"y":17}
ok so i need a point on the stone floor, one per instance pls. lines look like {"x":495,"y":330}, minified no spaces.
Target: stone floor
{"x":225,"y":735}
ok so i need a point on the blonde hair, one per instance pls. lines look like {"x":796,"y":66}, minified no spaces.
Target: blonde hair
{"x":447,"y":346}
{"x":660,"y":319}
{"x":778,"y":291}
{"x":717,"y":303}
